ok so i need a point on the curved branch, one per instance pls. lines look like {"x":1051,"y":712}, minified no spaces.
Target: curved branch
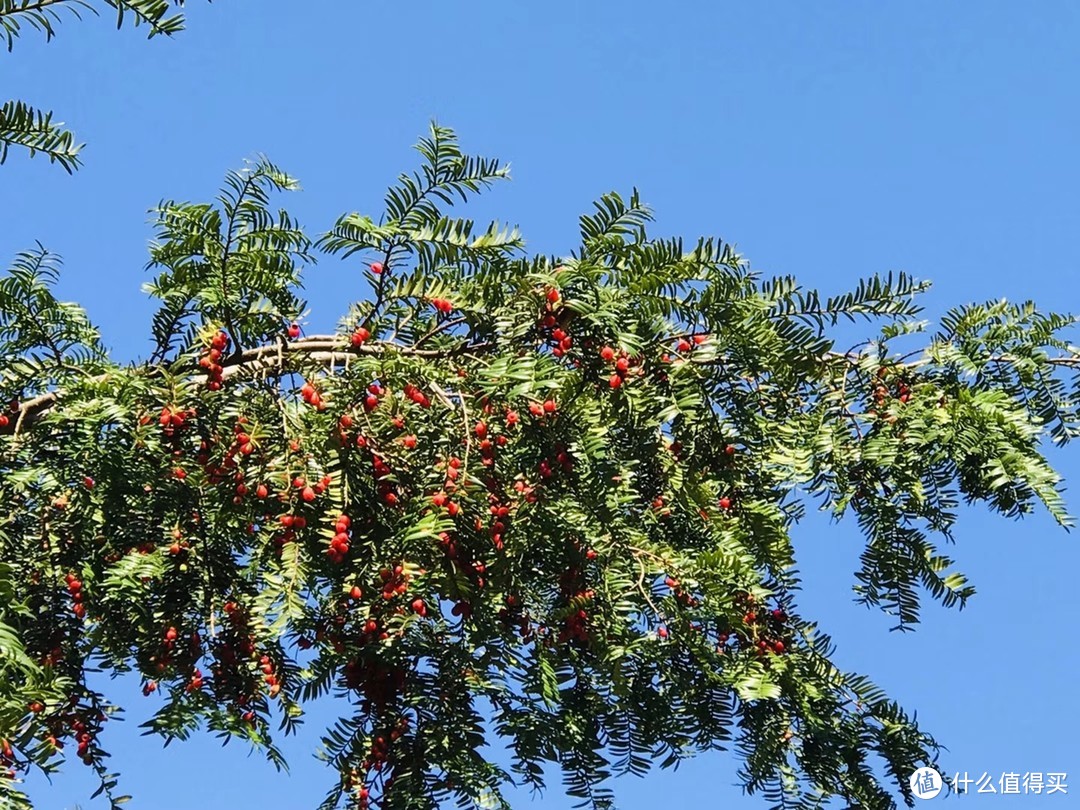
{"x":271,"y":356}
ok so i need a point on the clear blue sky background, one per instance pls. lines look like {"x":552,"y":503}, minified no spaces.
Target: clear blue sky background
{"x":829,"y":140}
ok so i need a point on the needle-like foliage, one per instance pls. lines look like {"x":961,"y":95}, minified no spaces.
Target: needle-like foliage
{"x":549,"y":502}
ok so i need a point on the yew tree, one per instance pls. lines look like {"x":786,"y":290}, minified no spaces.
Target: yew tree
{"x":539,"y":502}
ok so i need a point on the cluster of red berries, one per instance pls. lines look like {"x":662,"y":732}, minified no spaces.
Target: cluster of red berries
{"x":7,"y":759}
{"x":395,"y":582}
{"x":576,"y":625}
{"x":179,"y":545}
{"x":291,"y":525}
{"x":339,"y":545}
{"x":269,"y":677}
{"x":543,"y":409}
{"x":622,"y":365}
{"x":173,"y":419}
{"x":233,"y":680}
{"x":359,"y":336}
{"x":526,"y":491}
{"x":416,"y":395}
{"x":500,"y":514}
{"x":442,"y":500}
{"x":196,"y":681}
{"x":761,"y":630}
{"x":211,"y":361}
{"x":560,"y":340}
{"x":560,"y":457}
{"x":309,"y":492}
{"x":386,"y":489}
{"x":442,"y":305}
{"x":75,"y":589}
{"x":680,"y":594}
{"x":901,"y":390}
{"x":84,"y":737}
{"x":371,"y":399}
{"x":682,"y":345}
{"x":312,"y":396}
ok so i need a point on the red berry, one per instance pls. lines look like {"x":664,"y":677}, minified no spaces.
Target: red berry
{"x":550,"y":406}
{"x":725,"y":502}
{"x":419,"y":607}
{"x":662,"y":632}
{"x":729,"y":450}
{"x":88,"y":482}
{"x":607,"y":353}
{"x":355,"y":593}
{"x":308,"y":494}
{"x":480,"y":429}
{"x":615,"y":381}
{"x":294,"y":330}
{"x":683,"y":345}
{"x":622,"y":364}
{"x":553,"y":295}
{"x":699,"y":339}
{"x":377,"y":267}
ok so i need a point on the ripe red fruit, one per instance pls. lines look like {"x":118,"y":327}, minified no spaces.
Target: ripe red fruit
{"x":511,"y":418}
{"x":662,"y":632}
{"x":377,"y":268}
{"x":552,"y":295}
{"x":294,"y":330}
{"x":725,"y":502}
{"x":729,"y":450}
{"x":355,"y":593}
{"x":536,"y":409}
{"x":683,"y":345}
{"x":778,"y":646}
{"x":615,"y":381}
{"x":308,"y":494}
{"x":359,"y":336}
{"x":699,"y":339}
{"x":621,"y":365}
{"x":88,"y":482}
{"x":607,"y":353}
{"x":409,"y":441}
{"x":550,"y":406}
{"x":480,"y":429}
{"x":418,"y":606}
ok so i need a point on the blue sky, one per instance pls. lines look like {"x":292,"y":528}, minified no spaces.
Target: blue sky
{"x":827,"y":140}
